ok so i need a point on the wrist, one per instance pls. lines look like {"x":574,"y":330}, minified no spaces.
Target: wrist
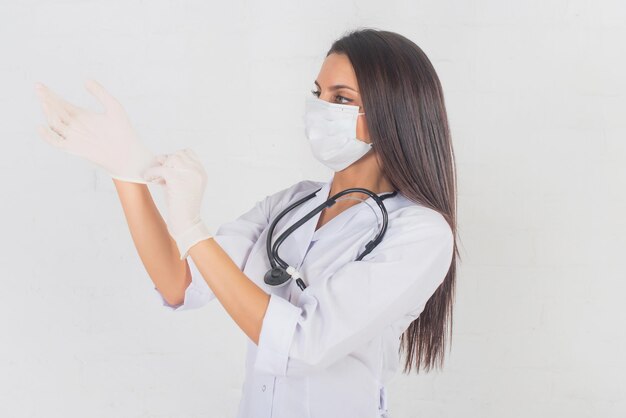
{"x":130,"y":166}
{"x":189,"y":237}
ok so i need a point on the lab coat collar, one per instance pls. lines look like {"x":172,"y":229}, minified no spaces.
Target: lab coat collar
{"x":294,"y":248}
{"x":359,"y":212}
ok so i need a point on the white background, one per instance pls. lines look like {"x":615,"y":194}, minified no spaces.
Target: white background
{"x":535,"y":95}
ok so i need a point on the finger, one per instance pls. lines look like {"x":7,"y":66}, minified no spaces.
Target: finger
{"x":50,"y":111}
{"x":58,"y":121}
{"x":57,"y":111}
{"x":154,"y":174}
{"x":188,"y":152}
{"x":55,"y":122}
{"x":175,"y":160}
{"x":182,"y":159}
{"x":188,"y":157}
{"x":68,"y":108}
{"x":157,"y":160}
{"x":108,"y":101}
{"x":65,"y":109}
{"x":51,"y":137}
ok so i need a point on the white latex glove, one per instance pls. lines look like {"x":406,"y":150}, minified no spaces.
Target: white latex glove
{"x":183,"y":178}
{"x":105,"y":139}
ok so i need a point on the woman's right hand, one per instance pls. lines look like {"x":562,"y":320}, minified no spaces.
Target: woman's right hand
{"x":105,"y":139}
{"x":184,"y":180}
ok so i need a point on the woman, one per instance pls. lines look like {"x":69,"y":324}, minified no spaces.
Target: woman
{"x":377,"y":118}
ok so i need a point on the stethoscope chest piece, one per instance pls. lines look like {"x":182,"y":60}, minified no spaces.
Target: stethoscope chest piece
{"x":277,"y":276}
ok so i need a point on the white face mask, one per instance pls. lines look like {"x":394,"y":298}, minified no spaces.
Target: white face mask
{"x":331,"y":131}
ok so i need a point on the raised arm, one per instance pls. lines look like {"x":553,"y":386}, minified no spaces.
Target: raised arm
{"x":157,"y":250}
{"x":108,"y":140}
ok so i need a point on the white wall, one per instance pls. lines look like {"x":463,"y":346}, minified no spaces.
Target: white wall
{"x":535,"y":94}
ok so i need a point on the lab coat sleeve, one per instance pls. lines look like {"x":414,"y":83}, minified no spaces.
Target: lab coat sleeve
{"x":197,"y":293}
{"x":236,"y":238}
{"x":341,"y":313}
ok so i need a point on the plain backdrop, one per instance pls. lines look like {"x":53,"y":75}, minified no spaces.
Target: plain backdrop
{"x":535,"y":95}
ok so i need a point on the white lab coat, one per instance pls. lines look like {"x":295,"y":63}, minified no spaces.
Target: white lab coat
{"x":329,"y":351}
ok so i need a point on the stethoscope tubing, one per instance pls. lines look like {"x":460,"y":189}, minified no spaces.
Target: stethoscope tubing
{"x":278,"y":275}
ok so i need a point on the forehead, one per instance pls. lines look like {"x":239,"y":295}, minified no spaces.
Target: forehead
{"x":337,"y":69}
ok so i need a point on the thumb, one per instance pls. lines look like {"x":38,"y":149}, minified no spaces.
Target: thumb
{"x":109,"y":102}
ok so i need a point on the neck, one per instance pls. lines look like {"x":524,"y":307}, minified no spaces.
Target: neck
{"x":375,"y":181}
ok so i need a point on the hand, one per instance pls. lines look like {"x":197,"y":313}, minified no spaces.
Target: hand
{"x":105,"y":139}
{"x":184,"y":180}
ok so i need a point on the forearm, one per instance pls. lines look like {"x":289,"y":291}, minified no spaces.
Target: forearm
{"x":156,"y":249}
{"x":244,"y":301}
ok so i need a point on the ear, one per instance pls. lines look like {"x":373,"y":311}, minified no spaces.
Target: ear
{"x":361,"y":129}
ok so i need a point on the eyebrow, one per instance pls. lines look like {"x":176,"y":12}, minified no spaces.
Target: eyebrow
{"x":337,"y":86}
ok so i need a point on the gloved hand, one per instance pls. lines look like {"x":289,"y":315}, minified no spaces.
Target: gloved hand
{"x":184,"y":180}
{"x":105,"y":139}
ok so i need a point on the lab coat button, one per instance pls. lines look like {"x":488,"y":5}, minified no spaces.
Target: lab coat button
{"x":263,"y":388}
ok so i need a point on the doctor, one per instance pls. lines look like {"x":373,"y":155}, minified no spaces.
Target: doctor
{"x":377,"y":119}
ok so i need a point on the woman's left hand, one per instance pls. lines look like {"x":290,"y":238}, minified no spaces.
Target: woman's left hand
{"x":184,"y":179}
{"x":106,"y":139}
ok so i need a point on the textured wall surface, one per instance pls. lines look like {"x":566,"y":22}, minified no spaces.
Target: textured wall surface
{"x":535,"y":95}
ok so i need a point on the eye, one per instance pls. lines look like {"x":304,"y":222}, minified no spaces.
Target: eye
{"x":316,"y":93}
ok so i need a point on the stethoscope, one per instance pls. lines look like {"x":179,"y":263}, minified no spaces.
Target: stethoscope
{"x":281,"y":273}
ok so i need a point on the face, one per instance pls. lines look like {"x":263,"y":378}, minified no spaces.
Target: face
{"x":336,"y":83}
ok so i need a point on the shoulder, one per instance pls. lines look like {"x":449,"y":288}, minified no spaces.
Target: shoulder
{"x":295,"y":191}
{"x":277,"y":201}
{"x":412,"y":222}
{"x":418,"y":242}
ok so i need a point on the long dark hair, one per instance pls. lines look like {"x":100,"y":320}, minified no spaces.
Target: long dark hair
{"x":407,"y":120}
